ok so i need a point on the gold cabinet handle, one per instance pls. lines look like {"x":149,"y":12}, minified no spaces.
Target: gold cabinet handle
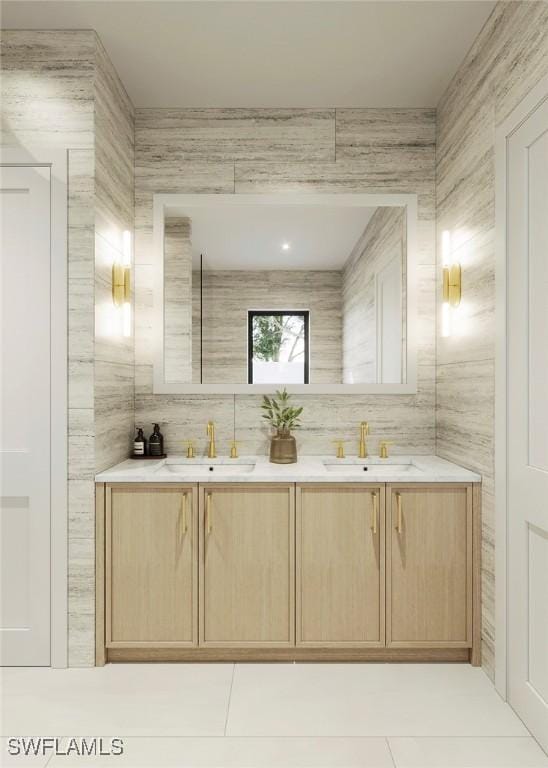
{"x":375,"y":512}
{"x":399,"y":520}
{"x":183,"y":510}
{"x":208,"y":514}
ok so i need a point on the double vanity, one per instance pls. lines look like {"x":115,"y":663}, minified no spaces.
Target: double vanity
{"x":325,"y":559}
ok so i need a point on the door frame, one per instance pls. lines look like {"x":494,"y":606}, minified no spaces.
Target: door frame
{"x":504,"y":132}
{"x":57,"y":160}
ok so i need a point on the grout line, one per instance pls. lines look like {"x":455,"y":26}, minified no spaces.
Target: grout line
{"x":229,"y":698}
{"x":391,"y":753}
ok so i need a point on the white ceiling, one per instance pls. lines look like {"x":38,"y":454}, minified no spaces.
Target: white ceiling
{"x":251,"y":237}
{"x":272,"y":54}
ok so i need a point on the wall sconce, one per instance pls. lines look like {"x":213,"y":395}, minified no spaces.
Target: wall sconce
{"x":121,"y":284}
{"x":451,"y":287}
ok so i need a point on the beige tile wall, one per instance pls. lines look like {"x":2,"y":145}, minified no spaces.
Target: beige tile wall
{"x":114,"y":213}
{"x":238,"y":151}
{"x":508,"y":58}
{"x":114,"y":370}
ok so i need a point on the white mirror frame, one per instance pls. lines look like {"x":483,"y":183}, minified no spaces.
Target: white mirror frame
{"x":171,"y":204}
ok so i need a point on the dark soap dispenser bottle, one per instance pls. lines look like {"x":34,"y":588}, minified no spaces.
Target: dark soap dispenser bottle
{"x":140,"y":443}
{"x":156,"y":442}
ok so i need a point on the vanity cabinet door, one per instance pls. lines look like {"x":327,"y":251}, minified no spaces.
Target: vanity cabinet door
{"x":429,"y":566}
{"x":340,"y":566}
{"x":247,"y":566}
{"x":151,"y":566}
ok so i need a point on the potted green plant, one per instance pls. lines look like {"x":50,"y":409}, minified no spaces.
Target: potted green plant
{"x":283,"y":418}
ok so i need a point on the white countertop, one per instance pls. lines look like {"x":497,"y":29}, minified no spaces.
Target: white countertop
{"x":308,"y":469}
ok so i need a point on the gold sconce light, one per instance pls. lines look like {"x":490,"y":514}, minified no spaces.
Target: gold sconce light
{"x":121,"y":285}
{"x":452,"y":285}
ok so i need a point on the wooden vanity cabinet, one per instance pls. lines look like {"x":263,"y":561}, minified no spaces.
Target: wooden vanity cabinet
{"x":151,"y":566}
{"x":313,"y":571}
{"x":247,"y":566}
{"x":429,"y":566}
{"x":340,"y":566}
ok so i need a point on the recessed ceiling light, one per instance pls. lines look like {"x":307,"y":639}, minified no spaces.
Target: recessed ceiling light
{"x":285,"y":246}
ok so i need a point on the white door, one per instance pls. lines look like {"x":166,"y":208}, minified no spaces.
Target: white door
{"x":389,"y":322}
{"x":25,"y":416}
{"x":528,"y":422}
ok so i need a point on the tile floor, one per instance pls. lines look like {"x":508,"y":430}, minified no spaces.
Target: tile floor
{"x":276,"y":715}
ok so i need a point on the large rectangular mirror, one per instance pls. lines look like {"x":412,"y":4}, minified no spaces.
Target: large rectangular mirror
{"x":257,"y":292}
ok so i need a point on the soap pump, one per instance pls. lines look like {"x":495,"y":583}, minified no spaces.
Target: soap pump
{"x":140,"y":443}
{"x":156,"y":442}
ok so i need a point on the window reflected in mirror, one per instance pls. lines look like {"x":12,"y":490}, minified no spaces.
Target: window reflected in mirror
{"x":278,"y":347}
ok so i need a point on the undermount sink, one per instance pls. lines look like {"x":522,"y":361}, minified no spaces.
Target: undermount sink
{"x":207,"y":469}
{"x":374,"y":469}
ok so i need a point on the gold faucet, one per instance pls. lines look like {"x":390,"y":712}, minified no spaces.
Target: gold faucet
{"x":364,"y":431}
{"x":340,"y":448}
{"x":211,"y":449}
{"x":189,"y":448}
{"x":383,"y":448}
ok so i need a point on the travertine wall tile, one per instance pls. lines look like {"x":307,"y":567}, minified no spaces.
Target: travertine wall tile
{"x":215,"y":135}
{"x":81,"y":508}
{"x":114,"y":150}
{"x":408,"y":420}
{"x":184,"y":417}
{"x":47,"y":88}
{"x":81,"y":599}
{"x":385,"y":170}
{"x":361,"y":130}
{"x":114,"y":213}
{"x":525,"y":59}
